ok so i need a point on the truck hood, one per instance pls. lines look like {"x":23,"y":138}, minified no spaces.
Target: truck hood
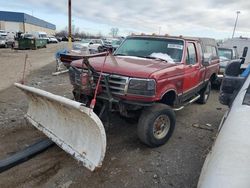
{"x":126,"y":65}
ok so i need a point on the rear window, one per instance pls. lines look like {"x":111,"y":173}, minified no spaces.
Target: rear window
{"x":212,"y":51}
{"x":43,"y":36}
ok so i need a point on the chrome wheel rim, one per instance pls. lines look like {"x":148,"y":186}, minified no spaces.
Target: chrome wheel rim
{"x":161,"y":126}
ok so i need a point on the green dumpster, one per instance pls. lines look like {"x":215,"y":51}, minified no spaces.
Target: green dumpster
{"x":26,"y":43}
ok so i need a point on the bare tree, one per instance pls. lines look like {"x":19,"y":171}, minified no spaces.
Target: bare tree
{"x":62,"y":33}
{"x":99,"y":35}
{"x":114,"y":31}
{"x":77,"y":30}
{"x":80,"y":34}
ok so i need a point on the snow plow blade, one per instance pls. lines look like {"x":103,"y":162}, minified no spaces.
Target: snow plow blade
{"x":72,"y":126}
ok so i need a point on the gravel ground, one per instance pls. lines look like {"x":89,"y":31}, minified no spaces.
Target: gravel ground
{"x":12,"y":62}
{"x":128,"y":163}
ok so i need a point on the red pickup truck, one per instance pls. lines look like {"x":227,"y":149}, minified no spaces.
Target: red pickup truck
{"x":147,"y":78}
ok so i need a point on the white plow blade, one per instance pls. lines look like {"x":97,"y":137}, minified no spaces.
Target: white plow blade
{"x":72,"y":126}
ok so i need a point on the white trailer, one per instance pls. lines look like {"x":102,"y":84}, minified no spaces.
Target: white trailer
{"x":240,"y":43}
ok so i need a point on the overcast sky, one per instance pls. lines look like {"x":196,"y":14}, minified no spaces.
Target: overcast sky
{"x":208,"y":18}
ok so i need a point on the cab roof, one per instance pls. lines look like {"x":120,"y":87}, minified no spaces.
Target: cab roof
{"x":200,"y":39}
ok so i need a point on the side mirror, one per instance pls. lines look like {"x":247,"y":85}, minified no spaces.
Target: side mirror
{"x":244,"y":54}
{"x":207,"y":59}
{"x":91,"y":43}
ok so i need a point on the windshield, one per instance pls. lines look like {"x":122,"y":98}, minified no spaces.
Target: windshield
{"x":28,"y":35}
{"x":225,"y":53}
{"x":43,"y":36}
{"x":78,"y":46}
{"x":85,"y":40}
{"x":96,"y":41}
{"x":144,"y":47}
{"x":116,"y":42}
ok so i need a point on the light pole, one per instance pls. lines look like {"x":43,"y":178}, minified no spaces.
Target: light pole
{"x":69,"y":12}
{"x":235,"y":24}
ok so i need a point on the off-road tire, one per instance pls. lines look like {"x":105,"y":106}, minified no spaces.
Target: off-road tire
{"x":146,"y":124}
{"x":204,"y":94}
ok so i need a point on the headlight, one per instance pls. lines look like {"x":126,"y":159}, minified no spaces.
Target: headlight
{"x":145,"y":87}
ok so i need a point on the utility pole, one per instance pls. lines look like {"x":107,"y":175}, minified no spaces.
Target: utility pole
{"x":70,"y":34}
{"x":235,"y":24}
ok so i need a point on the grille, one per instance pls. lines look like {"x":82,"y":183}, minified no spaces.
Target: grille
{"x":117,"y":84}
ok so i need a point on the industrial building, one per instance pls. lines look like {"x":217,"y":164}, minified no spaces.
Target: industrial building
{"x":21,"y":22}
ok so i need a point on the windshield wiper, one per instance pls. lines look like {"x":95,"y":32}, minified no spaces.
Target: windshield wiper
{"x":120,"y":54}
{"x":147,"y":57}
{"x":157,"y":58}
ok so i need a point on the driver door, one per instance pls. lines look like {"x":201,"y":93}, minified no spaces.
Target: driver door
{"x":192,"y":69}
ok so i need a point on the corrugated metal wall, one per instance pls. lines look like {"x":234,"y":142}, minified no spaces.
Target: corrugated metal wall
{"x":11,"y":16}
{"x":25,"y":18}
{"x":38,"y":22}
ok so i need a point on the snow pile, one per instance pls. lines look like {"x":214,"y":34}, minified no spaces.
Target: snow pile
{"x":162,"y":56}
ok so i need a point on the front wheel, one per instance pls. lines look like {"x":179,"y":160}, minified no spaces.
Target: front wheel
{"x":156,"y":125}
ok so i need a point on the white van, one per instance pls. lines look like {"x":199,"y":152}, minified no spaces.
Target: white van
{"x":41,"y":35}
{"x":240,"y":43}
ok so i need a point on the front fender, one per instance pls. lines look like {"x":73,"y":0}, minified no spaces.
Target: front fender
{"x":165,"y":89}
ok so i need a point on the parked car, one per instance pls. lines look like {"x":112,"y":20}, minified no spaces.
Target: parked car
{"x":41,"y":35}
{"x":52,"y":39}
{"x":3,"y":33}
{"x":116,"y":43}
{"x":11,"y":38}
{"x":28,"y":36}
{"x":226,"y":56}
{"x":148,"y":78}
{"x":66,"y":39}
{"x":59,"y":39}
{"x":7,"y":41}
{"x":3,"y":41}
{"x":110,"y":45}
{"x":93,"y":44}
{"x":77,"y":39}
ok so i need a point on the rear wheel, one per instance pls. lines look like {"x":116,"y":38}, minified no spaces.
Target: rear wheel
{"x":205,"y":93}
{"x":156,"y":125}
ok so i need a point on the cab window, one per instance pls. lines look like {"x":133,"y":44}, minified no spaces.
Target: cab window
{"x":212,"y":51}
{"x":191,"y":57}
